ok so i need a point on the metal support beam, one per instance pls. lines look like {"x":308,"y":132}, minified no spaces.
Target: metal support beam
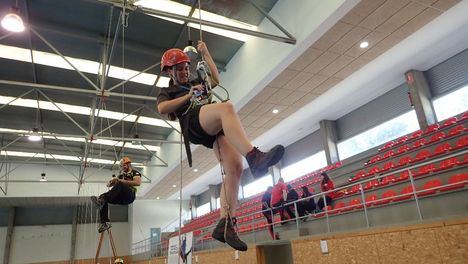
{"x":24,"y":94}
{"x":63,"y":57}
{"x":131,"y":78}
{"x":6,"y":35}
{"x":154,"y":155}
{"x":9,"y":235}
{"x":73,"y":235}
{"x":63,"y":112}
{"x":272,"y":20}
{"x":203,"y":22}
{"x":118,"y":121}
{"x":78,"y":90}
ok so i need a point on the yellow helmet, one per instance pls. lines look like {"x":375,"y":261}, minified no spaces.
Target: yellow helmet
{"x":118,"y":261}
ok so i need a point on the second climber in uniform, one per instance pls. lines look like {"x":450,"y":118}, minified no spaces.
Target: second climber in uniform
{"x":123,"y":192}
{"x":216,"y":126}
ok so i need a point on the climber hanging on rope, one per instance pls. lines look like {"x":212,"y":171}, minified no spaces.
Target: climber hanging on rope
{"x":123,"y":192}
{"x":214,"y":125}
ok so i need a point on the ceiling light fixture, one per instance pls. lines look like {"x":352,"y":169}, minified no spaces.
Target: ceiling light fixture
{"x":195,"y":170}
{"x":364,"y":45}
{"x":157,"y":198}
{"x":173,"y":185}
{"x":13,"y":21}
{"x":275,"y":111}
{"x":43,"y":177}
{"x":35,"y":135}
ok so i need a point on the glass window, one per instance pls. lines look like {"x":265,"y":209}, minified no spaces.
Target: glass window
{"x":451,"y":104}
{"x":396,"y":127}
{"x":218,"y":202}
{"x":203,"y":209}
{"x":304,"y":166}
{"x":258,"y":186}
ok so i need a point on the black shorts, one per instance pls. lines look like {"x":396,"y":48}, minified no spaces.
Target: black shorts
{"x":196,"y":134}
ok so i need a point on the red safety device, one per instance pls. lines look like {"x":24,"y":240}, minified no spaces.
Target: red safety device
{"x":173,"y":57}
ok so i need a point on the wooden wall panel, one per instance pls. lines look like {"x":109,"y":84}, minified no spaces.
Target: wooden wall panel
{"x":435,"y":243}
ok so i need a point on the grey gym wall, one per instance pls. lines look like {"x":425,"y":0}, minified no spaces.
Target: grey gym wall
{"x":448,"y":75}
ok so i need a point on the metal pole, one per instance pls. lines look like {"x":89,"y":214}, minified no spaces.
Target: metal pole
{"x":326,"y":212}
{"x":63,"y":57}
{"x":5,"y":105}
{"x":11,"y":143}
{"x":9,"y":235}
{"x":272,"y":21}
{"x":297,"y":217}
{"x":154,"y":155}
{"x":131,"y":78}
{"x":204,"y":22}
{"x":63,"y":112}
{"x":118,"y":121}
{"x":364,"y":203}
{"x":415,"y":195}
{"x":77,"y":90}
{"x":6,"y":35}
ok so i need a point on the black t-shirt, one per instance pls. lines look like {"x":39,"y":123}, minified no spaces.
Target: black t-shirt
{"x":172,"y":92}
{"x":266,"y":199}
{"x":128,"y":176}
{"x":292,"y":195}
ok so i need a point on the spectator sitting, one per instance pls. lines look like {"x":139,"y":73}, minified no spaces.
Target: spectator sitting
{"x":294,"y":196}
{"x":326,"y":185}
{"x":308,"y":204}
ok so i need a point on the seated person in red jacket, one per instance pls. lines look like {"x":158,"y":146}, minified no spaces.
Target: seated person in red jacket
{"x":325,"y":186}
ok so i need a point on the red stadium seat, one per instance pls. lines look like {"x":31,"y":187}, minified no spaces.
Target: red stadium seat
{"x":337,"y":208}
{"x":418,"y":143}
{"x":404,"y":161}
{"x":327,"y":209}
{"x":356,"y":204}
{"x":403,"y":149}
{"x":373,"y":171}
{"x":436,"y":137}
{"x":441,"y":149}
{"x":371,"y":199}
{"x":416,"y":134}
{"x":370,"y":184}
{"x":386,"y":197}
{"x":387,"y":179}
{"x":406,"y":193}
{"x":387,"y":145}
{"x":449,"y":122}
{"x":464,"y":116}
{"x":388,"y":154}
{"x":423,"y":170}
{"x":401,"y":140}
{"x":456,"y":130}
{"x":403,"y":176}
{"x":352,"y":190}
{"x":387,"y":166}
{"x":422,"y":155}
{"x":359,"y":175}
{"x":431,"y":128}
{"x":431,"y":187}
{"x":457,"y":181}
{"x":463,"y":161}
{"x":447,"y":164}
{"x":461,"y":143}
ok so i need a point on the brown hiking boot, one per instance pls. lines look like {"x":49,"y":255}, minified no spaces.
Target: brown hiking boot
{"x":259,"y":162}
{"x":230,"y":237}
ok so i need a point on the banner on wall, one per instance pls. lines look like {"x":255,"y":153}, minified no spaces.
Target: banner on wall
{"x":182,"y":255}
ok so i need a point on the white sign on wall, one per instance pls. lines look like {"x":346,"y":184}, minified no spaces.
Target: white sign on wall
{"x":184,"y":254}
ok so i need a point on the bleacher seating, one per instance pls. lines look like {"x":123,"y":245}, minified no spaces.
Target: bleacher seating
{"x":418,"y":147}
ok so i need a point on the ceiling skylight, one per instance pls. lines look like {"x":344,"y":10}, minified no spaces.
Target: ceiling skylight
{"x":58,"y":157}
{"x":82,"y":110}
{"x":87,"y":66}
{"x":79,"y":139}
{"x":184,"y":10}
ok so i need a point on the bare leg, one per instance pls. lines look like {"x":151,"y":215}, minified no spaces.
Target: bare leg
{"x":231,"y":160}
{"x":214,"y":117}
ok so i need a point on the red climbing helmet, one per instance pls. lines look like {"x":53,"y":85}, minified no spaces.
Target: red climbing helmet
{"x":173,"y":57}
